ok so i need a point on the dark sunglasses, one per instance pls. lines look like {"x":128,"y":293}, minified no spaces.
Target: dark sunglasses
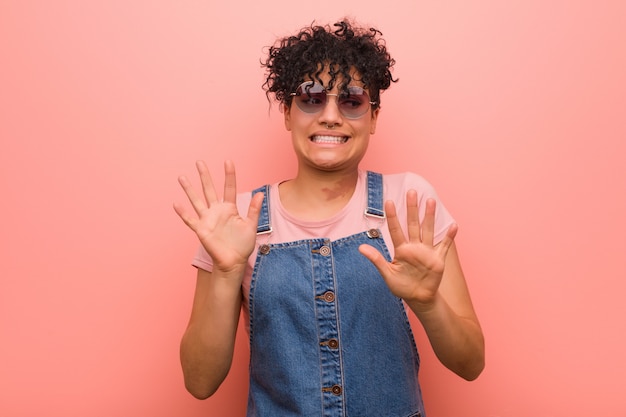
{"x":311,"y":97}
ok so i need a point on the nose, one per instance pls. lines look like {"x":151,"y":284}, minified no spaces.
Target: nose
{"x":330,"y":114}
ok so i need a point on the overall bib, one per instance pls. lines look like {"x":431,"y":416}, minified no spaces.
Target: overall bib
{"x":327,"y":337}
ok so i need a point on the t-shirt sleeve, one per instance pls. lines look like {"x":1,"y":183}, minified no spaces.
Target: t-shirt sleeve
{"x":202,"y":260}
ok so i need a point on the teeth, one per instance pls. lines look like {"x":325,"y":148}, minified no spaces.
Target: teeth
{"x":329,"y":139}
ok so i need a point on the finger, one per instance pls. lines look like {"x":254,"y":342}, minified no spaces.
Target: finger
{"x":184,"y":214}
{"x":444,"y":246}
{"x":197,"y":203}
{"x":374,"y":257}
{"x":428,"y":224}
{"x":230,"y":182}
{"x":393,"y":224}
{"x":452,"y":231}
{"x":207,"y":183}
{"x":255,"y":207}
{"x":412,"y":217}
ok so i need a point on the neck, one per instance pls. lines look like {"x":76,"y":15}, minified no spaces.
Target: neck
{"x":317,"y":195}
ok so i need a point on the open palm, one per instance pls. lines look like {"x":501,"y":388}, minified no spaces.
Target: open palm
{"x":416,"y":270}
{"x":227,"y":237}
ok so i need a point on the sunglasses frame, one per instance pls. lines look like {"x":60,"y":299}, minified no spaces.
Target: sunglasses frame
{"x":303,"y":88}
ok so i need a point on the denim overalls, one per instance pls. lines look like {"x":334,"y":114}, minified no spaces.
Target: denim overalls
{"x":327,"y":337}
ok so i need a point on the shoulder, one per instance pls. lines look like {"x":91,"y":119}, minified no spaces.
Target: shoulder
{"x":398,"y":184}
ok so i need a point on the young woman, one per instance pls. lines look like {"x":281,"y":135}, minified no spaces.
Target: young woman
{"x":326,"y":266}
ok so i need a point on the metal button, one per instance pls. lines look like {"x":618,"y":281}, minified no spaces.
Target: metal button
{"x":324,"y":251}
{"x":264,"y":249}
{"x":333,"y":343}
{"x":335,"y":389}
{"x":373,"y":234}
{"x":329,"y":296}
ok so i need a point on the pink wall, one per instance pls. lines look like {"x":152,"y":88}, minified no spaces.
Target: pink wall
{"x":513,"y":110}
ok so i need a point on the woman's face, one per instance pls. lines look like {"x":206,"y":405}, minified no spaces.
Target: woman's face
{"x":326,"y":139}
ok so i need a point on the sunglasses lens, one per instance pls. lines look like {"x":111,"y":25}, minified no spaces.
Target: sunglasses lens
{"x":311,"y":97}
{"x":354,"y":103}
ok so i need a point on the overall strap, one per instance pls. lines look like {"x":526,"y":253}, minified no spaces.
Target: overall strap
{"x":264,"y":225}
{"x":375,"y":195}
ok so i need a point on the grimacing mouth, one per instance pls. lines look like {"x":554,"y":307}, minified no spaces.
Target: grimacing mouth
{"x":328,"y":139}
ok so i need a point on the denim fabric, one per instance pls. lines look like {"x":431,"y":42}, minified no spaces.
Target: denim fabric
{"x":327,"y":338}
{"x":264,"y":223}
{"x":375,"y":194}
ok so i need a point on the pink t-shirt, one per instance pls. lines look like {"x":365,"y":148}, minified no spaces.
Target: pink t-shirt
{"x":349,"y":221}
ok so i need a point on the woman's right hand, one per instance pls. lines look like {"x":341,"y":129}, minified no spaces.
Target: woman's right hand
{"x":226,"y":236}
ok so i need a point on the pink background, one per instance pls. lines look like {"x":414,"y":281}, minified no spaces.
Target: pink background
{"x":514,"y":110}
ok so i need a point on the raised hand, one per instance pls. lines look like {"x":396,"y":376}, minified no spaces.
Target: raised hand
{"x":416,"y":270}
{"x":226,"y":236}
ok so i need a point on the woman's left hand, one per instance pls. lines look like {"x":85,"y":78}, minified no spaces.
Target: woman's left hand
{"x":417,"y":268}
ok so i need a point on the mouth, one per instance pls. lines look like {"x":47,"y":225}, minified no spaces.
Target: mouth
{"x":329,"y":139}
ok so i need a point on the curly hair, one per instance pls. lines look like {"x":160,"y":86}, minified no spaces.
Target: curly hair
{"x":341,"y":51}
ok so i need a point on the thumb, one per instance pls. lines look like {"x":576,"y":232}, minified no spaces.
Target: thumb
{"x":254,"y":209}
{"x":374,"y":257}
{"x":444,"y":246}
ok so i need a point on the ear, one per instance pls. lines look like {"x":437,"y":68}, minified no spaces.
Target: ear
{"x":287,"y":116}
{"x":373,"y":121}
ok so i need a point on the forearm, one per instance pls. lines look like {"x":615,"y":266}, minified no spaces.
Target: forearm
{"x":456,"y":340}
{"x":207,"y":346}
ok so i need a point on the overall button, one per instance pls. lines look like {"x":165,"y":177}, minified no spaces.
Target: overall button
{"x":324,"y":251}
{"x":335,"y":389}
{"x":329,"y":296}
{"x":373,"y":234}
{"x":264,"y":249}
{"x":331,"y":343}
